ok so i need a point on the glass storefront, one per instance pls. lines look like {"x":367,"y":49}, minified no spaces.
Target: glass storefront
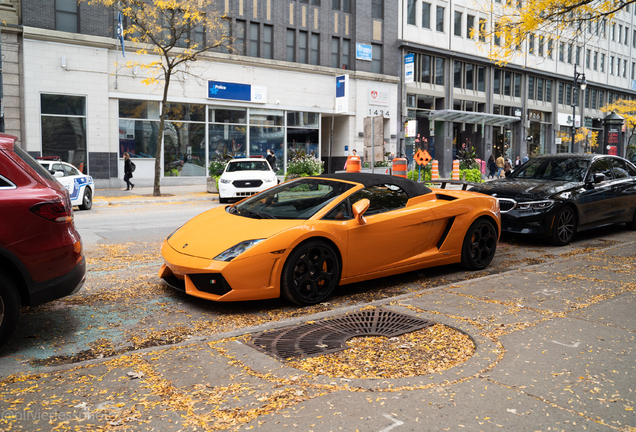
{"x":191,"y":140}
{"x":63,"y":121}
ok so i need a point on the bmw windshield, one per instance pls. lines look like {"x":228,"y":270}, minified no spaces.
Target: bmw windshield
{"x":557,"y":169}
{"x":297,"y":199}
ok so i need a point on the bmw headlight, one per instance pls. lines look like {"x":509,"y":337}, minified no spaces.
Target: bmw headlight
{"x":535,"y":205}
{"x":225,"y":181}
{"x":236,"y":250}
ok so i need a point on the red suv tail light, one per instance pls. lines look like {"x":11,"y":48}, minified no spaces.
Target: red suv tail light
{"x":56,"y":211}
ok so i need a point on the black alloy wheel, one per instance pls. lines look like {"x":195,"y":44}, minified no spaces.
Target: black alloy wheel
{"x":87,"y":200}
{"x":311,"y":273}
{"x":480,"y":245}
{"x":10,"y":308}
{"x":564,"y":226}
{"x":632,"y":225}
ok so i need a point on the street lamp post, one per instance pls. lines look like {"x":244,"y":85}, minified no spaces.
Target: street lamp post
{"x":579,"y":79}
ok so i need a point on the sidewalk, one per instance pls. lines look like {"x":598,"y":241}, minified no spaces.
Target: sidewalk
{"x":143,"y":195}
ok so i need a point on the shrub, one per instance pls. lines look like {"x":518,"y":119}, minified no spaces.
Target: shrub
{"x":304,"y":166}
{"x":471,"y":175}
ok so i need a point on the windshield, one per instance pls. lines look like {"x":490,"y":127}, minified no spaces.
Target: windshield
{"x":558,"y":169}
{"x":248,"y":166}
{"x":297,"y":199}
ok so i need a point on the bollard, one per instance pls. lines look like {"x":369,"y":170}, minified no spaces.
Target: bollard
{"x":353,"y":164}
{"x":399,"y":167}
{"x":455,"y":170}
{"x":434,"y":171}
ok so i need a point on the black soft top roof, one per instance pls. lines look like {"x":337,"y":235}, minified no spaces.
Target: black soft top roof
{"x":412,"y":188}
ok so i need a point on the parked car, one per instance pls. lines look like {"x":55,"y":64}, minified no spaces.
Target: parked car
{"x":80,"y":186}
{"x":41,"y":256}
{"x":245,"y":177}
{"x":555,"y":196}
{"x":303,"y":238}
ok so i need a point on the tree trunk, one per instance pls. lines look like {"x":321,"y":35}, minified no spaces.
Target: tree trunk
{"x":162,"y":120}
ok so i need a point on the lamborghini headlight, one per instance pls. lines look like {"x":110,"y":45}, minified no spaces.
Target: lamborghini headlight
{"x":236,"y":250}
{"x":535,"y":205}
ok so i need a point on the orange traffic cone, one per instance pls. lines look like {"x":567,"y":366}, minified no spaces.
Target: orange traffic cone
{"x":455,"y":170}
{"x":434,"y":171}
{"x":399,"y":167}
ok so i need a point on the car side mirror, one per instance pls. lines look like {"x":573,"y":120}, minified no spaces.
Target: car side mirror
{"x":598,"y":178}
{"x":358,"y":210}
{"x":58,"y":174}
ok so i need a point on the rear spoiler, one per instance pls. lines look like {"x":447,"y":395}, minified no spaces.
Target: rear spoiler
{"x":442,"y":184}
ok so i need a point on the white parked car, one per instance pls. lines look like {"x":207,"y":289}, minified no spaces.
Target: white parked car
{"x":80,"y":187}
{"x":245,"y":177}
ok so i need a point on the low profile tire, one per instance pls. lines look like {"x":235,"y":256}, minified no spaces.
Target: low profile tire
{"x":564,"y":226}
{"x":224,"y":200}
{"x":10,"y":308}
{"x":311,"y":273}
{"x":87,"y":200}
{"x":480,"y":245}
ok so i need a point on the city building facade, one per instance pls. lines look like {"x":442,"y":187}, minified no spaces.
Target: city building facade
{"x":458,"y":96}
{"x":290,"y":57}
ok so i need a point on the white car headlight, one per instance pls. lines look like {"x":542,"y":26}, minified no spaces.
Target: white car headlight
{"x":236,"y":250}
{"x":535,"y":205}
{"x":270,"y":180}
{"x":225,"y":181}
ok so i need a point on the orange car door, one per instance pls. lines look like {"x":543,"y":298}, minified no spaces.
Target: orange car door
{"x":389,"y":238}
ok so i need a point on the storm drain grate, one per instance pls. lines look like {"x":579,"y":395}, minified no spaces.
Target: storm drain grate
{"x":330,"y":335}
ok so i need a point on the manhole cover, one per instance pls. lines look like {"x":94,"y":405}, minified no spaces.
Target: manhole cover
{"x":330,"y":335}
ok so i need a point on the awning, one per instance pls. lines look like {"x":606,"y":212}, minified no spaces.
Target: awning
{"x":472,"y":117}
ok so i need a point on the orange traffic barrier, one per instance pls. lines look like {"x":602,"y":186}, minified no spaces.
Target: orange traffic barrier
{"x":81,"y":168}
{"x":455,"y":170}
{"x":399,"y":167}
{"x":434,"y":171}
{"x":353,"y":164}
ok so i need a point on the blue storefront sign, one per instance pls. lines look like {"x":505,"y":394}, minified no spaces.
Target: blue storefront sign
{"x":364,"y":52}
{"x":236,"y":92}
{"x":409,"y":67}
{"x":341,"y":86}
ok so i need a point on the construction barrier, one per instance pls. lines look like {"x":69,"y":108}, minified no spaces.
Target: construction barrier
{"x":399,"y":167}
{"x":455,"y":170}
{"x":353,"y":164}
{"x":434,"y":171}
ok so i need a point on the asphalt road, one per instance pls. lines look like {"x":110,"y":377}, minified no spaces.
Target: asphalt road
{"x":553,"y":330}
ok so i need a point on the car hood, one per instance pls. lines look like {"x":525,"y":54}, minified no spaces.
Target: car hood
{"x":247,"y":175}
{"x":215,"y":231}
{"x":524,"y":189}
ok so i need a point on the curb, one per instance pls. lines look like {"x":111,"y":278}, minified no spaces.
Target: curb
{"x":104,"y":202}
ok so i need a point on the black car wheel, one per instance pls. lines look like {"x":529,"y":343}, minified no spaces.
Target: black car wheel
{"x":87,"y":201}
{"x":564,"y":226}
{"x":632,"y":225}
{"x":310,"y":274}
{"x":479,"y":245}
{"x":10,"y":308}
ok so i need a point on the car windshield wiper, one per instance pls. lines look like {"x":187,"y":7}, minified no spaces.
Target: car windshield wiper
{"x":255,"y":214}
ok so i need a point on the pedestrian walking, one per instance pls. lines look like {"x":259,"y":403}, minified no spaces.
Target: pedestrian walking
{"x":517,"y":162}
{"x":507,"y":167}
{"x":500,"y":165}
{"x":128,"y":171}
{"x":492,"y":167}
{"x":271,"y":159}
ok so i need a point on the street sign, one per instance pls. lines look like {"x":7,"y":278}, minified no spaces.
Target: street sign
{"x":364,"y":52}
{"x":422,"y":157}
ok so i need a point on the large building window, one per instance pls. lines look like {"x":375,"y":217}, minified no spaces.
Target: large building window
{"x":254,"y":39}
{"x":410,"y":12}
{"x":138,"y":128}
{"x":482,"y":30}
{"x":346,"y":48}
{"x":239,"y":37}
{"x":267,"y":131}
{"x":63,"y":120}
{"x":377,"y":7}
{"x":439,"y":71}
{"x":268,"y":40}
{"x":66,"y":15}
{"x":315,"y":49}
{"x":439,"y":23}
{"x":470,"y":26}
{"x":426,"y":15}
{"x":303,"y":131}
{"x":335,"y":52}
{"x":458,"y":24}
{"x":291,"y":45}
{"x":302,"y":47}
{"x":457,"y":75}
{"x":184,"y":141}
{"x":227,"y":131}
{"x":376,"y":60}
{"x":481,"y":78}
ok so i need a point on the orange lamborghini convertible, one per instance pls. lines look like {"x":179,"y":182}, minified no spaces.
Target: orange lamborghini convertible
{"x":303,"y":238}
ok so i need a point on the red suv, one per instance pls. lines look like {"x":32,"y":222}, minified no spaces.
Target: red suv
{"x":41,"y":257}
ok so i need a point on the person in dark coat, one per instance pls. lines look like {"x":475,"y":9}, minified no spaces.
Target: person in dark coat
{"x":128,"y":172}
{"x":271,"y":159}
{"x":492,"y":167}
